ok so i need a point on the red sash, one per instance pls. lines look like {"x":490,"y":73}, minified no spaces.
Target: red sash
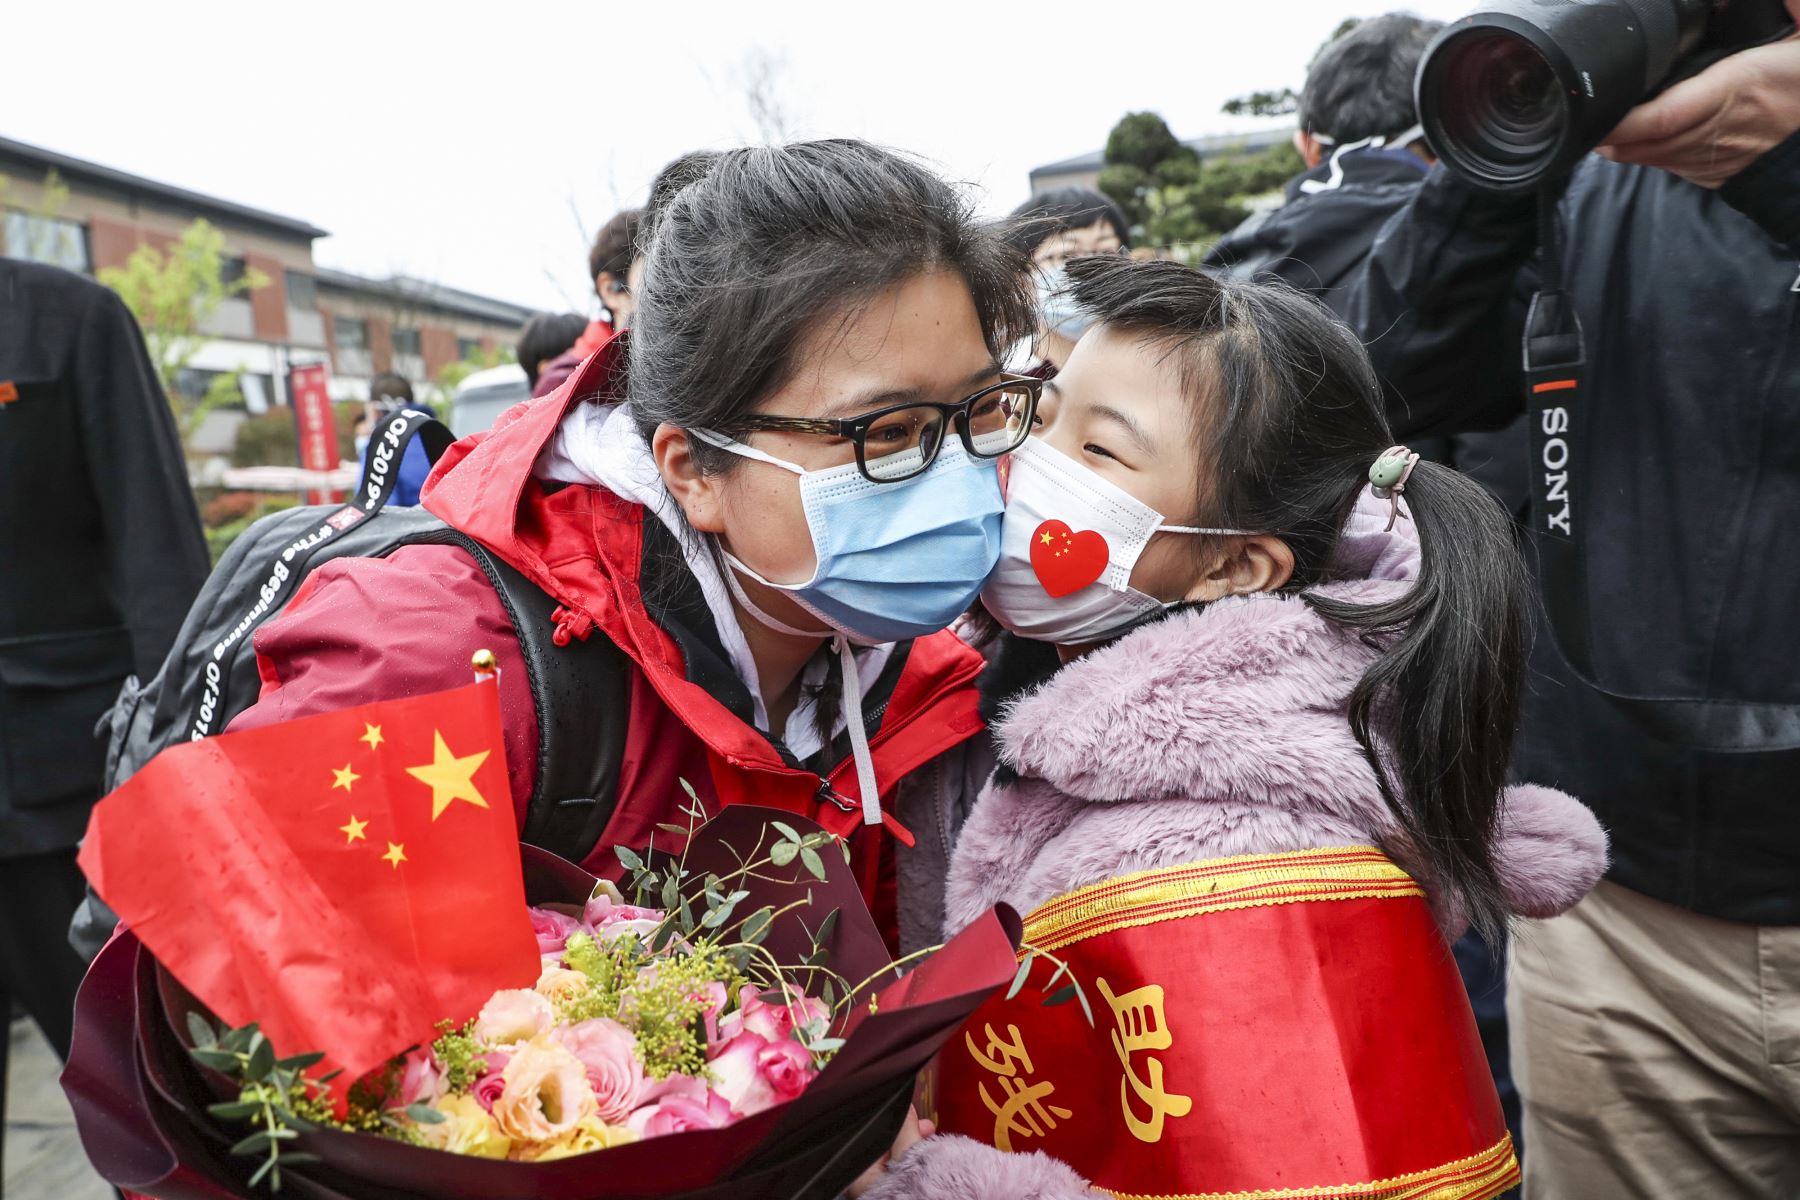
{"x":1285,"y":1025}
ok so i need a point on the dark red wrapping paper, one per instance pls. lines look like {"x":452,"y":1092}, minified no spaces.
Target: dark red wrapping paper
{"x":140,"y":1101}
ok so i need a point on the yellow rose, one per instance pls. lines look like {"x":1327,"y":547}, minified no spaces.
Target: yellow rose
{"x":559,"y":985}
{"x":466,"y":1129}
{"x":590,"y":1135}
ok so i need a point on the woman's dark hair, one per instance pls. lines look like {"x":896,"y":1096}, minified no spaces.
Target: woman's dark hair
{"x":1059,"y":210}
{"x":747,"y":250}
{"x":545,"y":336}
{"x":615,"y":245}
{"x":1288,"y":417}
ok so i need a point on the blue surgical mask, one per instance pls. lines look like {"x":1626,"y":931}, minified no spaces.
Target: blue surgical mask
{"x":1057,"y":312}
{"x":895,"y":560}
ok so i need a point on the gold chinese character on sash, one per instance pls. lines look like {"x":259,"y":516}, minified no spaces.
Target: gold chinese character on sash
{"x":1142,"y":1027}
{"x":1021,"y":1112}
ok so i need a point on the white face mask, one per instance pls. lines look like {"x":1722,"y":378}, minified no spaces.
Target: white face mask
{"x":1067,"y":547}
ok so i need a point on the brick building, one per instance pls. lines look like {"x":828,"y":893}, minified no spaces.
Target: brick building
{"x":303,"y":314}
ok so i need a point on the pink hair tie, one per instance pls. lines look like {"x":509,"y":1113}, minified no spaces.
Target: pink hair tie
{"x":1389,"y":475}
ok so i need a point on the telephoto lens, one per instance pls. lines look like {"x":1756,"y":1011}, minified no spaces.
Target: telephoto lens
{"x":1521,"y":89}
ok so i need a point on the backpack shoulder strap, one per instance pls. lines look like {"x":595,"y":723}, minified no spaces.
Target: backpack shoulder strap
{"x":582,"y":693}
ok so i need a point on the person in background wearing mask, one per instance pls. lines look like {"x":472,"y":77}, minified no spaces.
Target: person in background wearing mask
{"x":545,"y":338}
{"x":388,"y":394}
{"x":610,"y":263}
{"x":1051,"y":228}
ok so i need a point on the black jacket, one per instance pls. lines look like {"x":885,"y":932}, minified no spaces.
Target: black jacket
{"x":100,"y":545}
{"x":1318,"y":240}
{"x":1690,"y":413}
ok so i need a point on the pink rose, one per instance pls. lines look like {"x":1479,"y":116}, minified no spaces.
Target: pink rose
{"x":607,"y":918}
{"x":686,"y":1105}
{"x":609,"y":1052}
{"x":421,"y":1079}
{"x":513,"y":1015}
{"x":771,"y":1022}
{"x":552,"y":929}
{"x":491,"y":1082}
{"x":752,"y":1074}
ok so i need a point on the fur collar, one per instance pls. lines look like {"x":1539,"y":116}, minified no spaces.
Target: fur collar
{"x":1244,"y":699}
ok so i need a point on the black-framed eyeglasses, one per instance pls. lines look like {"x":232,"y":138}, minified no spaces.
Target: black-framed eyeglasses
{"x":903,"y":440}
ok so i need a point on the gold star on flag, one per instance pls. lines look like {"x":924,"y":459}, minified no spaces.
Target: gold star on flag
{"x":353,"y":832}
{"x":1049,"y":538}
{"x":395,"y":856}
{"x":371,"y":735}
{"x":449,"y":777}
{"x":343,"y":778}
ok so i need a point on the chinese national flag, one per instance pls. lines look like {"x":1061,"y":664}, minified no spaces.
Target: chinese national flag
{"x":346,"y":880}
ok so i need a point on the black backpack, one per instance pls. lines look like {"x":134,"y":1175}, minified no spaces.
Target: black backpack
{"x":580,"y":690}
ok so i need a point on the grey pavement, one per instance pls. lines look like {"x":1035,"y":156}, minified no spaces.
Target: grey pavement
{"x":43,"y":1155}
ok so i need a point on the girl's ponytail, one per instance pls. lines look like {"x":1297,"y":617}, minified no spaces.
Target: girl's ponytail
{"x":1445,"y":691}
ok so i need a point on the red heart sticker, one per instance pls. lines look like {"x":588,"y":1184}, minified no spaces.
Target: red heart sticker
{"x":1066,"y":561}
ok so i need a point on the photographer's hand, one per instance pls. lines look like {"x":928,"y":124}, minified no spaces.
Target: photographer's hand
{"x":1708,"y":128}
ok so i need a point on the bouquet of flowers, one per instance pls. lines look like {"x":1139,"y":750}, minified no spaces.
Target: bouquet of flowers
{"x":728,"y":1022}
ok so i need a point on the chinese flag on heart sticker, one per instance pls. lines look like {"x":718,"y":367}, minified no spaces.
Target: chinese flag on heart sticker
{"x":1066,"y":561}
{"x":346,"y":880}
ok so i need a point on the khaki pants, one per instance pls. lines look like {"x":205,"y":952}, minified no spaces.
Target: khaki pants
{"x":1657,"y":1053}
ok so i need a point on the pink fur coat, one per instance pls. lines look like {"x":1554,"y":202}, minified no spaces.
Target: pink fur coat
{"x":1216,"y":732}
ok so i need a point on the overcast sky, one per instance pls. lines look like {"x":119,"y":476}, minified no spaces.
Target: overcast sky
{"x":481,"y":145}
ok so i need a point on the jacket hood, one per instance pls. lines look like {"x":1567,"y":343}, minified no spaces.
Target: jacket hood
{"x":1242,"y":698}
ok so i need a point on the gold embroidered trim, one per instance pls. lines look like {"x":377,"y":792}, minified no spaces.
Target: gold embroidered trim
{"x":1478,"y":1177}
{"x":1216,"y":885}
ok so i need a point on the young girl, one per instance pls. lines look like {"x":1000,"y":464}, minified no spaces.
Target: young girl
{"x":1262,"y":791}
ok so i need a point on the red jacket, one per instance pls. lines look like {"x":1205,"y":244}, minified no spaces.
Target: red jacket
{"x":560,"y":368}
{"x":367,"y":629}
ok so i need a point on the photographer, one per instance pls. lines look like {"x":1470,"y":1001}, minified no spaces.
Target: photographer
{"x":1656,"y":1028}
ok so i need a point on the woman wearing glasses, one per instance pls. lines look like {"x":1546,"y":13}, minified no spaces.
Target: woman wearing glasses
{"x":766,"y":539}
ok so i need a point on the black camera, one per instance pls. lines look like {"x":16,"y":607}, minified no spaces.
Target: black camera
{"x":1522,"y":89}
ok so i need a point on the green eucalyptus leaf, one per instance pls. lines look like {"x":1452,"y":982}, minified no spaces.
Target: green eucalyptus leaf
{"x":758,"y":924}
{"x":1019,"y":978}
{"x":689,"y":789}
{"x":687,"y":917}
{"x":844,"y":845}
{"x":299,"y":1158}
{"x":826,"y":1045}
{"x":268,"y":1166}
{"x":628,"y":858}
{"x":782,"y":853}
{"x":826,"y":928}
{"x":677,"y":830}
{"x":671,"y":893}
{"x":200,"y":1030}
{"x":256,"y":1143}
{"x":300,"y":1062}
{"x":218,"y":1060}
{"x":1061,"y":996}
{"x":810,"y":857}
{"x":234,"y":1110}
{"x":787,"y":831}
{"x":262,"y":1058}
{"x":424,"y":1114}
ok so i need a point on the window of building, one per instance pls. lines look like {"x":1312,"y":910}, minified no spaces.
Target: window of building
{"x":467,"y":349}
{"x":302,"y":291}
{"x":48,"y":240}
{"x":231,"y":273}
{"x":350,"y":333}
{"x":406,"y":341}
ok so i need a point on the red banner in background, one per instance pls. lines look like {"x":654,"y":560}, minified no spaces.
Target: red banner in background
{"x":313,"y":422}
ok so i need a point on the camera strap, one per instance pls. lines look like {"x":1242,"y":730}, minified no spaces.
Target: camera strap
{"x":1555,"y":363}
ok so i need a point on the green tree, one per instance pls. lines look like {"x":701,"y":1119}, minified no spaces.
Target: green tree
{"x":1141,"y":140}
{"x":1280,"y":103}
{"x":452,"y":374}
{"x":174,"y":296}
